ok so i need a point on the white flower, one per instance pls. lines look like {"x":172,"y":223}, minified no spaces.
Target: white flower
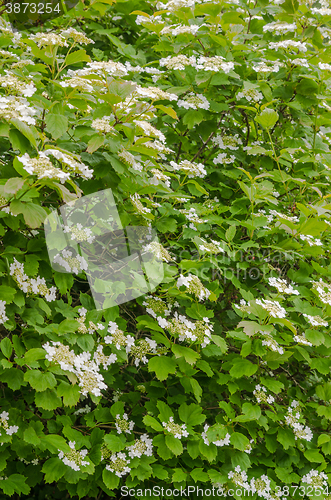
{"x":3,"y":317}
{"x":123,"y":424}
{"x":282,"y":286}
{"x":74,"y":458}
{"x":176,"y":429}
{"x":273,"y":307}
{"x":315,"y":320}
{"x":194,"y":101}
{"x":191,"y":169}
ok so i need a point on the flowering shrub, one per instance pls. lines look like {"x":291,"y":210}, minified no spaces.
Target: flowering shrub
{"x":210,"y":122}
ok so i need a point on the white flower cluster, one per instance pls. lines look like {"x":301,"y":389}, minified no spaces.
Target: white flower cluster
{"x":219,"y":442}
{"x":186,"y":330}
{"x":140,"y":348}
{"x":70,"y":263}
{"x":181,"y":29}
{"x":267,"y":66}
{"x":178,"y":430}
{"x":31,"y":285}
{"x":193,"y":285}
{"x":310,"y":240}
{"x":213,"y":247}
{"x":158,"y":250}
{"x":250,"y":95}
{"x":301,"y":340}
{"x":279,"y":28}
{"x":282,"y":286}
{"x":48,"y":39}
{"x":3,"y":317}
{"x":315,"y":478}
{"x":284,"y":216}
{"x":227,"y":141}
{"x":117,"y":337}
{"x":159,"y":176}
{"x":192,"y":216}
{"x":123,"y":424}
{"x":103,"y":125}
{"x":147,"y":129}
{"x":128,"y":158}
{"x":224,"y":159}
{"x":17,"y":108}
{"x":15,"y":85}
{"x":142,"y":446}
{"x":261,"y":486}
{"x":79,"y":233}
{"x":324,"y":291}
{"x":189,"y":168}
{"x":292,"y":420}
{"x":261,"y":395}
{"x":135,"y":200}
{"x":82,"y":327}
{"x":74,"y":458}
{"x":157,"y":308}
{"x":71,"y":162}
{"x":118,"y":464}
{"x":216,"y":63}
{"x":315,"y":320}
{"x":9,"y":429}
{"x":239,"y":477}
{"x":154,"y":93}
{"x":273,"y":307}
{"x":194,"y":101}
{"x":288,"y":44}
{"x":85,"y":369}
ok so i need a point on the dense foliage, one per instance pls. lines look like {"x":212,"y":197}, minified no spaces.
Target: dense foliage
{"x":209,"y":121}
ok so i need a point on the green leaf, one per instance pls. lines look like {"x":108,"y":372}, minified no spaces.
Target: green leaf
{"x":69,"y":393}
{"x":48,"y":400}
{"x":179,"y":476}
{"x":239,"y":441}
{"x":54,"y":443}
{"x":166,"y":225}
{"x":199,"y":475}
{"x":34,"y":215}
{"x":40,"y":381}
{"x":169,"y":111}
{"x":25,"y":130}
{"x":76,"y":57}
{"x":196,"y":388}
{"x":110,"y":479}
{"x":6,"y":347}
{"x":15,"y":483}
{"x":54,"y":469}
{"x":152,"y":422}
{"x":162,"y":366}
{"x":230,"y":233}
{"x":114,"y":443}
{"x":174,"y":444}
{"x":314,"y":456}
{"x":56,"y":124}
{"x":242,"y":367}
{"x":34,"y":354}
{"x":13,"y":377}
{"x":95,"y":143}
{"x":31,"y":437}
{"x":268,"y":118}
{"x":191,"y":414}
{"x":7,"y":293}
{"x":189,"y":354}
{"x":286,"y":438}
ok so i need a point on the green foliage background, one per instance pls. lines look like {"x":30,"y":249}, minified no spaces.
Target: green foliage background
{"x":278,"y":161}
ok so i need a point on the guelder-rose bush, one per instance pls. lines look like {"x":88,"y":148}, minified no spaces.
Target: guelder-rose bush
{"x":210,"y":122}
